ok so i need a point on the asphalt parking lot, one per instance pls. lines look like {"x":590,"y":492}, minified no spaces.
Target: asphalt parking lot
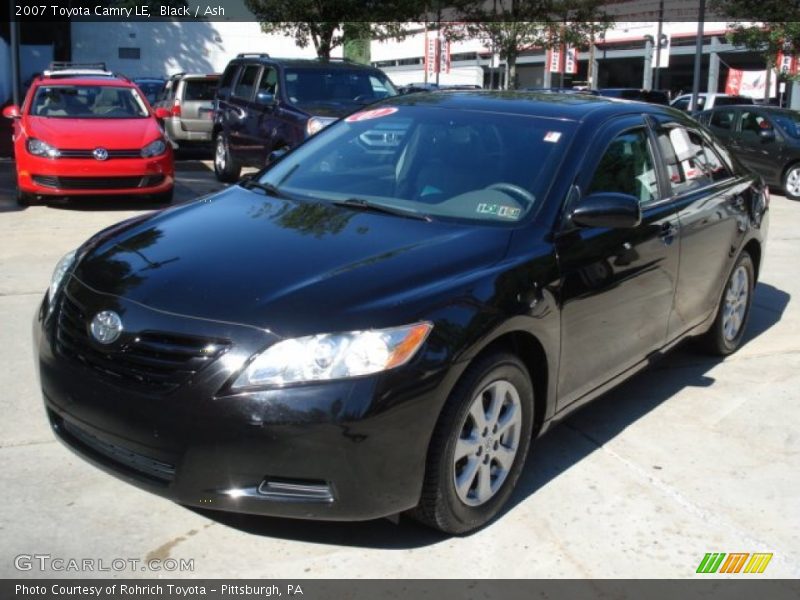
{"x":693,"y":456}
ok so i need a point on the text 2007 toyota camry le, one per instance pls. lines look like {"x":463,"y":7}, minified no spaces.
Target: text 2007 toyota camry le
{"x":384,"y":318}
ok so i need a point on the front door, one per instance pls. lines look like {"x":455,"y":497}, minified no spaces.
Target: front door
{"x":617,"y":285}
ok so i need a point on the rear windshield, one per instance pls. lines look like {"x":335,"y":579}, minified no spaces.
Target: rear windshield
{"x":310,"y":86}
{"x":731,"y":100}
{"x":464,"y":165}
{"x":88,"y":102}
{"x":200,"y":89}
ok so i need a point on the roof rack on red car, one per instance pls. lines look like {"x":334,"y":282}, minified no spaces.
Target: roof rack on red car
{"x":65,"y":65}
{"x":59,"y":70}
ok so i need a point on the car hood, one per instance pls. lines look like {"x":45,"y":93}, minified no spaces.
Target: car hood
{"x":87,"y":134}
{"x":294,"y":268}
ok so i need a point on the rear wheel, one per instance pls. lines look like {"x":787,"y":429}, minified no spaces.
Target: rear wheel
{"x":725,"y":335}
{"x":791,"y":182}
{"x":479,"y":446}
{"x":225,"y":168}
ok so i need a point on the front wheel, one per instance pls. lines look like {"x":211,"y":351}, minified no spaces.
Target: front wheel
{"x":791,"y":182}
{"x":225,"y":167}
{"x":725,"y":335}
{"x":479,"y":446}
{"x":24,"y":198}
{"x":164,"y":197}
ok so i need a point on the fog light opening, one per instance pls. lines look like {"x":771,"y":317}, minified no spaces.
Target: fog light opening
{"x":296,"y":490}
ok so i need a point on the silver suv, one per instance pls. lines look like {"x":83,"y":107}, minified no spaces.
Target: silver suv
{"x":190,"y":100}
{"x":708,"y":101}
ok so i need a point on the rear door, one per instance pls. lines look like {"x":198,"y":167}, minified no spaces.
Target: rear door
{"x":197,"y":104}
{"x":709,"y":200}
{"x":761,"y":154}
{"x":617,"y":285}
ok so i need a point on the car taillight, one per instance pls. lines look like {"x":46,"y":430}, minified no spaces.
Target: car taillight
{"x":176,"y":109}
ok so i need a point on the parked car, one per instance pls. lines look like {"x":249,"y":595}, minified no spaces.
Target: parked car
{"x":151,"y":87}
{"x":189,"y":99}
{"x":637,"y":94}
{"x":764,"y":138}
{"x":707,"y":101}
{"x":356,"y":333}
{"x":84,"y":131}
{"x":560,"y":90}
{"x":413,"y":88}
{"x":267,"y":105}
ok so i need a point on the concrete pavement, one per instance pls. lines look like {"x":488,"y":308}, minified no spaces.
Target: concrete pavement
{"x":692,"y":456}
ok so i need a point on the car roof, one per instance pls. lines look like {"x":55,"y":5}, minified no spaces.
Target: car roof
{"x":305,"y":63}
{"x":574,"y":107}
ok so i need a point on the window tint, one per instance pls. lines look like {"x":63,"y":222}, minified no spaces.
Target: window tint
{"x":752,"y":124}
{"x":309,"y":86}
{"x":199,"y":89}
{"x":269,"y":81}
{"x":229,"y":76}
{"x":247,"y":81}
{"x":627,"y":168}
{"x":691,"y":162}
{"x":681,"y":104}
{"x":723,"y":119}
{"x":789,"y":122}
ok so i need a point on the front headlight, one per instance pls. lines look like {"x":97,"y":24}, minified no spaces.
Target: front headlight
{"x":59,"y":272}
{"x":154,"y":149}
{"x":40,"y":148}
{"x":317,"y":124}
{"x":334,"y":356}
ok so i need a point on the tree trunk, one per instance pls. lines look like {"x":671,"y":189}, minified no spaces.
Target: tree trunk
{"x":511,"y":73}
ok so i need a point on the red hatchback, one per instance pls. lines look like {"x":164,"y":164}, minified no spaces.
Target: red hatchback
{"x":88,"y":132}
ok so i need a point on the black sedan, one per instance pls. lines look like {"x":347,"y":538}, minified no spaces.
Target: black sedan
{"x":764,"y":138}
{"x":366,"y":329}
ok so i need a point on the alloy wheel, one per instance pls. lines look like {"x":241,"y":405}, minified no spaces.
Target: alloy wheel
{"x":793,"y":181}
{"x":488,"y":443}
{"x":220,"y":155}
{"x":735,"y":303}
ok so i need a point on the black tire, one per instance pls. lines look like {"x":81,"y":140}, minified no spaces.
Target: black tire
{"x":791,"y":182}
{"x":718,"y":339}
{"x":440,"y":506}
{"x":25,"y":199}
{"x":164,"y":197}
{"x":226,"y":168}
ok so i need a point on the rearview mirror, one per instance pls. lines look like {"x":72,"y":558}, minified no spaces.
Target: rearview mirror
{"x":162,"y":113}
{"x":11,"y":112}
{"x":607,"y":209}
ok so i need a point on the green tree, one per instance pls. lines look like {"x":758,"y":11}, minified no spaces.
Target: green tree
{"x":510,"y":27}
{"x":781,"y":32}
{"x":326,"y":24}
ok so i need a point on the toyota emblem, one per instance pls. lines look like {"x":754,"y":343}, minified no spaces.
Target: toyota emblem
{"x":100,"y":153}
{"x":106,"y":327}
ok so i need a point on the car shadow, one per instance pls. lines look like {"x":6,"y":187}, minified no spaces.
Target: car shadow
{"x":551,"y":455}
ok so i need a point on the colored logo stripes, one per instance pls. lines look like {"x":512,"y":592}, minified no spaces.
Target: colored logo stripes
{"x":736,"y":562}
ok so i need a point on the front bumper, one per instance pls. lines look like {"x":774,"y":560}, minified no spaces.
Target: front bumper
{"x":363,"y":440}
{"x":90,"y":177}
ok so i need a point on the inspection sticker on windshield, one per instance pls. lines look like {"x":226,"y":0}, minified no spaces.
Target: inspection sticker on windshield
{"x":499,"y":210}
{"x":371,"y":114}
{"x":552,"y":136}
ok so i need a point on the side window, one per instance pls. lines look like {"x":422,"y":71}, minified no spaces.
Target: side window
{"x":681,"y":103}
{"x":627,"y":168}
{"x":723,"y":119}
{"x":229,"y":76}
{"x":752,"y":124}
{"x":269,"y":81}
{"x":691,"y":161}
{"x":246,"y":84}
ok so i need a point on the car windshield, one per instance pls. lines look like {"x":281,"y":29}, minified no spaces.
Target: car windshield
{"x":464,"y":165}
{"x":314,"y":86}
{"x":88,"y":102}
{"x":789,"y":122}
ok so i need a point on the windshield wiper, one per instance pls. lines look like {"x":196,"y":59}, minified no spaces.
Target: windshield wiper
{"x":269,"y":188}
{"x":366,"y":205}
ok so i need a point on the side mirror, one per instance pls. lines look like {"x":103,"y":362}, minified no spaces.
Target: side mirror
{"x":607,"y":209}
{"x":11,"y":112}
{"x":767,"y":135}
{"x":162,"y":113}
{"x":276,"y":155}
{"x":265,"y":98}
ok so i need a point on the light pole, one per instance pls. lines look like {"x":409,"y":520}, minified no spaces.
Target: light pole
{"x":657,"y":74}
{"x":698,"y":54}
